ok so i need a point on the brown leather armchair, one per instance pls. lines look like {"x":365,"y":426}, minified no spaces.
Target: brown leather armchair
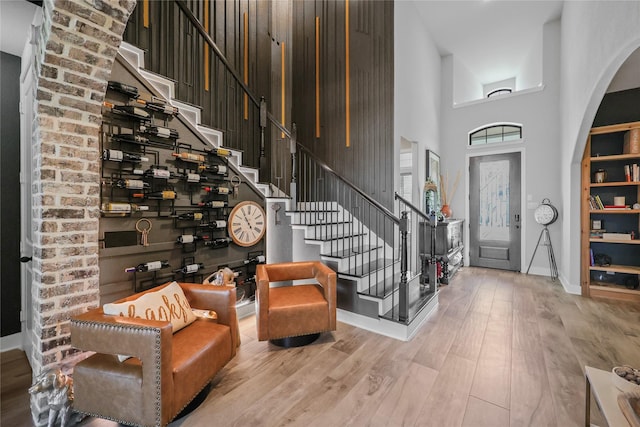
{"x":284,"y":310}
{"x":167,"y":369}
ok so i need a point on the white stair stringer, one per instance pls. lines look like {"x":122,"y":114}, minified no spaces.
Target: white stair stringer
{"x":192,"y":114}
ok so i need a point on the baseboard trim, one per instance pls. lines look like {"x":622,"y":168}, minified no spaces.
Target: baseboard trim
{"x":11,"y":342}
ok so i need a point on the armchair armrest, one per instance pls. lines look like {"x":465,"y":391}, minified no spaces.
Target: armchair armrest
{"x":221,"y":299}
{"x":328,"y":278}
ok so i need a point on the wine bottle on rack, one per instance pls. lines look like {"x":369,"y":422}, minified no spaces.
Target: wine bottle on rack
{"x":192,"y":177}
{"x":158,"y":173}
{"x":130,"y":139}
{"x":190,"y":268}
{"x":148,"y":266}
{"x":159,"y":131}
{"x":129,"y":184}
{"x":216,"y":189}
{"x":121,"y":156}
{"x":190,"y":238}
{"x":220,"y":152}
{"x":191,"y":216}
{"x":216,"y":169}
{"x":161,"y":195}
{"x":160,"y":107}
{"x":123,"y":88}
{"x":218,"y":224}
{"x":129,"y":110}
{"x":221,"y":242}
{"x":214,"y":204}
{"x":122,"y":208}
{"x":189,"y":157}
{"x":258,"y":259}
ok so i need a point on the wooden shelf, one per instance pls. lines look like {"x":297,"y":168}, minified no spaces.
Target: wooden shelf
{"x":615,"y":211}
{"x":614,"y":184}
{"x":615,"y":157}
{"x":630,"y":269}
{"x":626,"y":242}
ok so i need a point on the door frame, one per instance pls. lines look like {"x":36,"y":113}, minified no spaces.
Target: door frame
{"x":504,"y":148}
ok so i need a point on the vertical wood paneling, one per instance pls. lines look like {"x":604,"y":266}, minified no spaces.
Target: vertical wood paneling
{"x":174,"y":49}
{"x":367,"y":162}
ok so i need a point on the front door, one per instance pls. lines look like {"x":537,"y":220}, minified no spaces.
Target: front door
{"x":494,"y":211}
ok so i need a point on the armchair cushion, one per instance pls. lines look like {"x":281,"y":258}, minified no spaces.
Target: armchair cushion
{"x":297,"y":310}
{"x":169,"y":303}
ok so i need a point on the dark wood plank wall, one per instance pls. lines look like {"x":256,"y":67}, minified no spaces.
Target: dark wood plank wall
{"x":174,"y":49}
{"x":368,"y":162}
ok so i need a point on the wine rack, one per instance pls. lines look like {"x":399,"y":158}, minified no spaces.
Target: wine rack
{"x":155,"y":169}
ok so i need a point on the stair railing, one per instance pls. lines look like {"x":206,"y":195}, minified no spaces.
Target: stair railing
{"x":359,"y":230}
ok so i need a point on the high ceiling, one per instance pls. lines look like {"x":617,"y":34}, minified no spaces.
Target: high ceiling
{"x":491,"y":38}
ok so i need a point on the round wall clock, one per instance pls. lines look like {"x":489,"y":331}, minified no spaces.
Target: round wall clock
{"x":545,"y":213}
{"x":247,"y":223}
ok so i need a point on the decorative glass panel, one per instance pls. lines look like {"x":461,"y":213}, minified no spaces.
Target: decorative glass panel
{"x":495,"y":133}
{"x":494,"y":201}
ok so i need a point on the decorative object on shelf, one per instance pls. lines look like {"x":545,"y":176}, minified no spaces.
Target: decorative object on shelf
{"x":446,"y":196}
{"x":144,"y":230}
{"x":596,"y":224}
{"x":545,"y":215}
{"x":247,"y":223}
{"x":600,"y":176}
{"x":430,"y":196}
{"x":631,"y":143}
{"x":602,"y":260}
{"x":626,"y":378}
{"x":432,"y":174}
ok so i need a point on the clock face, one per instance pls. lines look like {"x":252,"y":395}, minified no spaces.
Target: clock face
{"x":545,"y":214}
{"x":247,"y":223}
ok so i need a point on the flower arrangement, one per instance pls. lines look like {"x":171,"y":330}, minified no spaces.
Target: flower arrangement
{"x":444,"y":184}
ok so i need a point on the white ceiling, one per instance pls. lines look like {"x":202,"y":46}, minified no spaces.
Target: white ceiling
{"x":491,"y":38}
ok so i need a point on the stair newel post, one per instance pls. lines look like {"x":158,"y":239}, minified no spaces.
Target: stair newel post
{"x":294,"y":164}
{"x":403,"y":298}
{"x":263,"y":125}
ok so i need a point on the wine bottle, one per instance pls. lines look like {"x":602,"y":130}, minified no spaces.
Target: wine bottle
{"x":161,"y":195}
{"x":120,"y":156}
{"x":124,"y":88}
{"x":159,"y":131}
{"x":216,"y":169}
{"x":190,"y":216}
{"x":148,"y":266}
{"x":214,"y":204}
{"x":122,"y":208}
{"x":190,"y":268}
{"x":190,"y":238}
{"x":192,"y":177}
{"x":216,"y":189}
{"x":221,"y":242}
{"x":158,"y":173}
{"x":258,"y":259}
{"x":130,"y":139}
{"x":160,"y":107}
{"x":218,"y":224}
{"x":131,"y":110}
{"x":130,"y":184}
{"x":220,"y":152}
{"x":189,"y":157}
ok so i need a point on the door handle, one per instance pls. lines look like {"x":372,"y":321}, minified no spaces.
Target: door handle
{"x":25,"y":259}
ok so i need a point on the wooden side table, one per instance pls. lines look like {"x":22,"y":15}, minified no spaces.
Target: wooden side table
{"x":599,"y":383}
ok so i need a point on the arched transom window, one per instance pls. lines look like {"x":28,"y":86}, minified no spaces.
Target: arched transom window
{"x":497,"y":132}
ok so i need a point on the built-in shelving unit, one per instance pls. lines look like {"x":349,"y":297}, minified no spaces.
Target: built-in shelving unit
{"x":615,"y":237}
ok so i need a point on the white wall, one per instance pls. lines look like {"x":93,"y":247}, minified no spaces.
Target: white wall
{"x":530,"y":72}
{"x":538,"y":112}
{"x":416,"y":87}
{"x":466,"y":86}
{"x":596,"y":39}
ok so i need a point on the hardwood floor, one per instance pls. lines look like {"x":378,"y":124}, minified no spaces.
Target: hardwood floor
{"x":502,"y":349}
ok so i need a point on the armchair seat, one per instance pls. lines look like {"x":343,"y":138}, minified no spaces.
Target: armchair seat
{"x":289,"y":304}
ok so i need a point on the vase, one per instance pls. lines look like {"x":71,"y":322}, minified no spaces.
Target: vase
{"x":446,"y":211}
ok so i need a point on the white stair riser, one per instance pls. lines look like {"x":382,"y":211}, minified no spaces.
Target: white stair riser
{"x":189,"y":112}
{"x":358,"y":259}
{"x":313,"y":217}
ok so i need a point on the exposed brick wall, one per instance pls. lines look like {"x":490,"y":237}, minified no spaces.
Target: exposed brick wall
{"x":75,"y":51}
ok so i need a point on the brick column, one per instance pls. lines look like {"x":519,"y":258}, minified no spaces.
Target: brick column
{"x":75,"y":50}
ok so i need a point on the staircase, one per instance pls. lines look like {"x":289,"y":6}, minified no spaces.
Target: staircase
{"x":190,"y":116}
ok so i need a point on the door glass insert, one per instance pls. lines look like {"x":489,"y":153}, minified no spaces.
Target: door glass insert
{"x":494,"y":201}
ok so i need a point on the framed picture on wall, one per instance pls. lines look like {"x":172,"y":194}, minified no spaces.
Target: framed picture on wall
{"x":432,"y":197}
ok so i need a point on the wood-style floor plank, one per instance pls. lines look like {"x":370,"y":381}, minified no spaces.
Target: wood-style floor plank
{"x":501,"y":349}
